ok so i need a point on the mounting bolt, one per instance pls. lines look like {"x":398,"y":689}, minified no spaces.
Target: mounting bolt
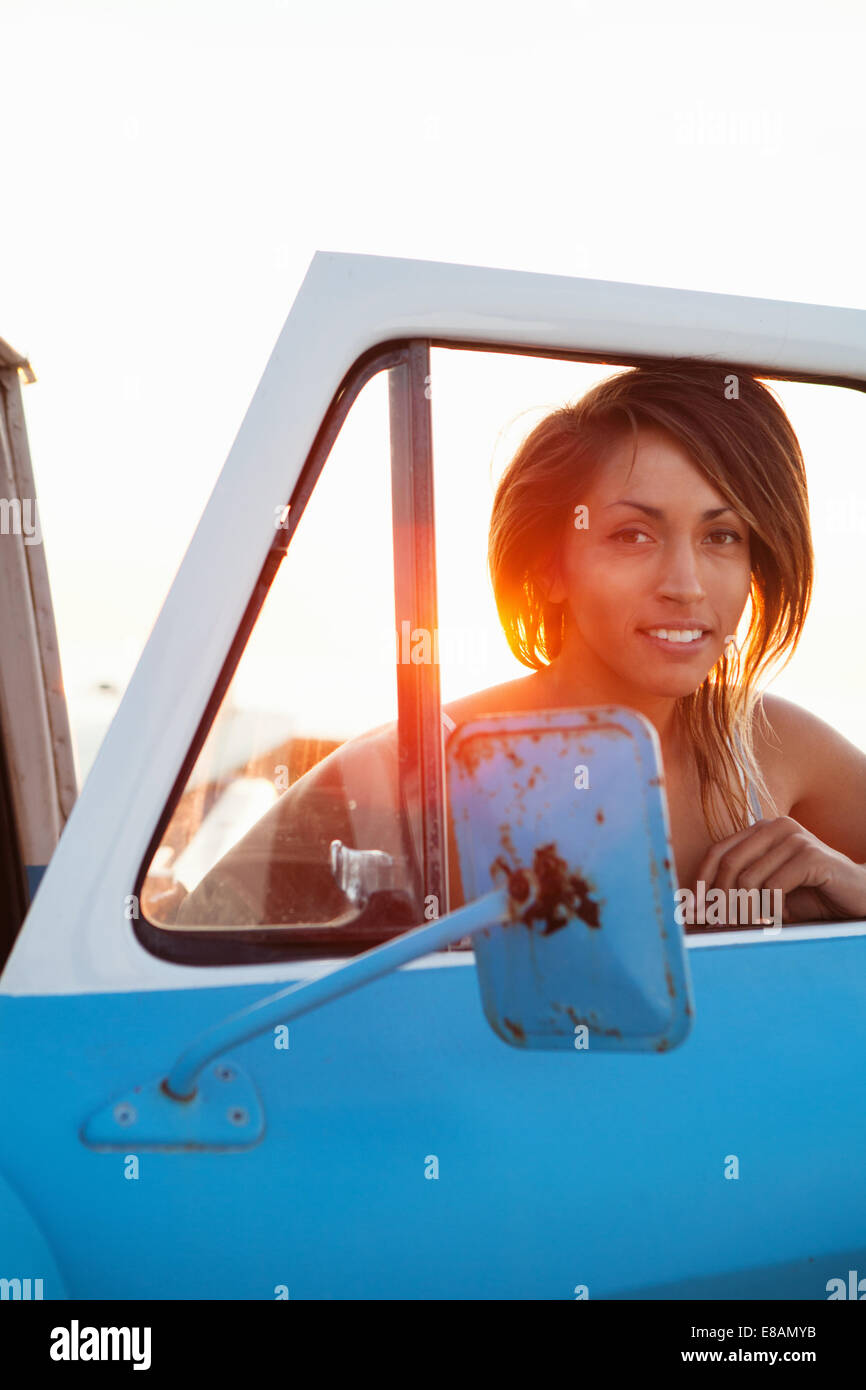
{"x":125,"y":1114}
{"x":225,"y":1073}
{"x":238,"y":1116}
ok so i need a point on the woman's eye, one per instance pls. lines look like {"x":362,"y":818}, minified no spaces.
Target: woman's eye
{"x":728,"y":537}
{"x":626,"y":535}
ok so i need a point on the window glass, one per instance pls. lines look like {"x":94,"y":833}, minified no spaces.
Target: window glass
{"x":293,"y":814}
{"x":827,"y":673}
{"x":274,"y":826}
{"x":485,"y":404}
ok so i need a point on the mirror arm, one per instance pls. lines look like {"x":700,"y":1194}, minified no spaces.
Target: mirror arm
{"x":300,"y":998}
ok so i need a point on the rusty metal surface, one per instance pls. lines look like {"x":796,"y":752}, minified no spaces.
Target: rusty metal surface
{"x":566,"y":809}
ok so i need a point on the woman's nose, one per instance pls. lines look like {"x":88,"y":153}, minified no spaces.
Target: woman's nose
{"x":680,"y":578}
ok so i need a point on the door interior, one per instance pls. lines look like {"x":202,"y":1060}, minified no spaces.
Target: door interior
{"x":37,"y":772}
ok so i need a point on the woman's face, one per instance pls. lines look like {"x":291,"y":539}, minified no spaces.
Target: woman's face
{"x":662,"y":557}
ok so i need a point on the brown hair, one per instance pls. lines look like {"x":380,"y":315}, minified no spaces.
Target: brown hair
{"x":740,"y":438}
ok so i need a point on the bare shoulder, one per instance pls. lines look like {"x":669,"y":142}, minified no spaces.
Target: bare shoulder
{"x":822,"y":772}
{"x":798,"y":734}
{"x":358,"y":756}
{"x":510,"y":696}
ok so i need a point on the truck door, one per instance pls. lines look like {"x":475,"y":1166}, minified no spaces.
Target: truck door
{"x":388,"y":1144}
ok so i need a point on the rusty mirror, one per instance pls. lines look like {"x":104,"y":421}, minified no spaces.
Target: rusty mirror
{"x":566,"y":809}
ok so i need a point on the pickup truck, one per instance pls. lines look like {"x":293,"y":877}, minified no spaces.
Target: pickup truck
{"x":337,"y":1084}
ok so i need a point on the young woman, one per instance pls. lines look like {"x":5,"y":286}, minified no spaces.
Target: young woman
{"x":630,"y":533}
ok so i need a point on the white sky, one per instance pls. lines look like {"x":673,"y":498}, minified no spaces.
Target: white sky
{"x":169,"y":169}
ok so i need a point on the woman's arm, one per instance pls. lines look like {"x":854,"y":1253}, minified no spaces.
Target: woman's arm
{"x":280,"y":871}
{"x":824,"y":775}
{"x":815,"y":856}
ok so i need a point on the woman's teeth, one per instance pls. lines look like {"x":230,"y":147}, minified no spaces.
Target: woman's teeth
{"x":669,"y":634}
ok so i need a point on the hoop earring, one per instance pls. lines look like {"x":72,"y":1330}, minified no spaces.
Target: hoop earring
{"x":731,"y":642}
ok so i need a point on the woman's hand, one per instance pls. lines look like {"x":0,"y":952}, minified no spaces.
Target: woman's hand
{"x":817,"y":883}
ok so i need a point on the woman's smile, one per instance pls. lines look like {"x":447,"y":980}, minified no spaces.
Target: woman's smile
{"x":678,"y":643}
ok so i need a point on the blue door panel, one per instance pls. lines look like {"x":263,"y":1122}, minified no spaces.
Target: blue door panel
{"x":555,"y":1170}
{"x":25,"y":1254}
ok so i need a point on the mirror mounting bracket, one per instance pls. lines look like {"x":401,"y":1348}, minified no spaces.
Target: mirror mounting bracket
{"x":224,"y":1113}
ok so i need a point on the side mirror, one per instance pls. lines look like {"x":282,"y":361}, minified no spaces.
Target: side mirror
{"x":562,"y":836}
{"x":565,"y":808}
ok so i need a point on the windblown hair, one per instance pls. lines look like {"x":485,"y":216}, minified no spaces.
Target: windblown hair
{"x":739,"y":437}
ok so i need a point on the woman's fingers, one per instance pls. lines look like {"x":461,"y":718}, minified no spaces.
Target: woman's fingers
{"x":726,"y":859}
{"x":814,"y":880}
{"x":780,"y":866}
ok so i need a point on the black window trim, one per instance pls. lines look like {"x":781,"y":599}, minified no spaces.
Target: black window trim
{"x":419,"y":701}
